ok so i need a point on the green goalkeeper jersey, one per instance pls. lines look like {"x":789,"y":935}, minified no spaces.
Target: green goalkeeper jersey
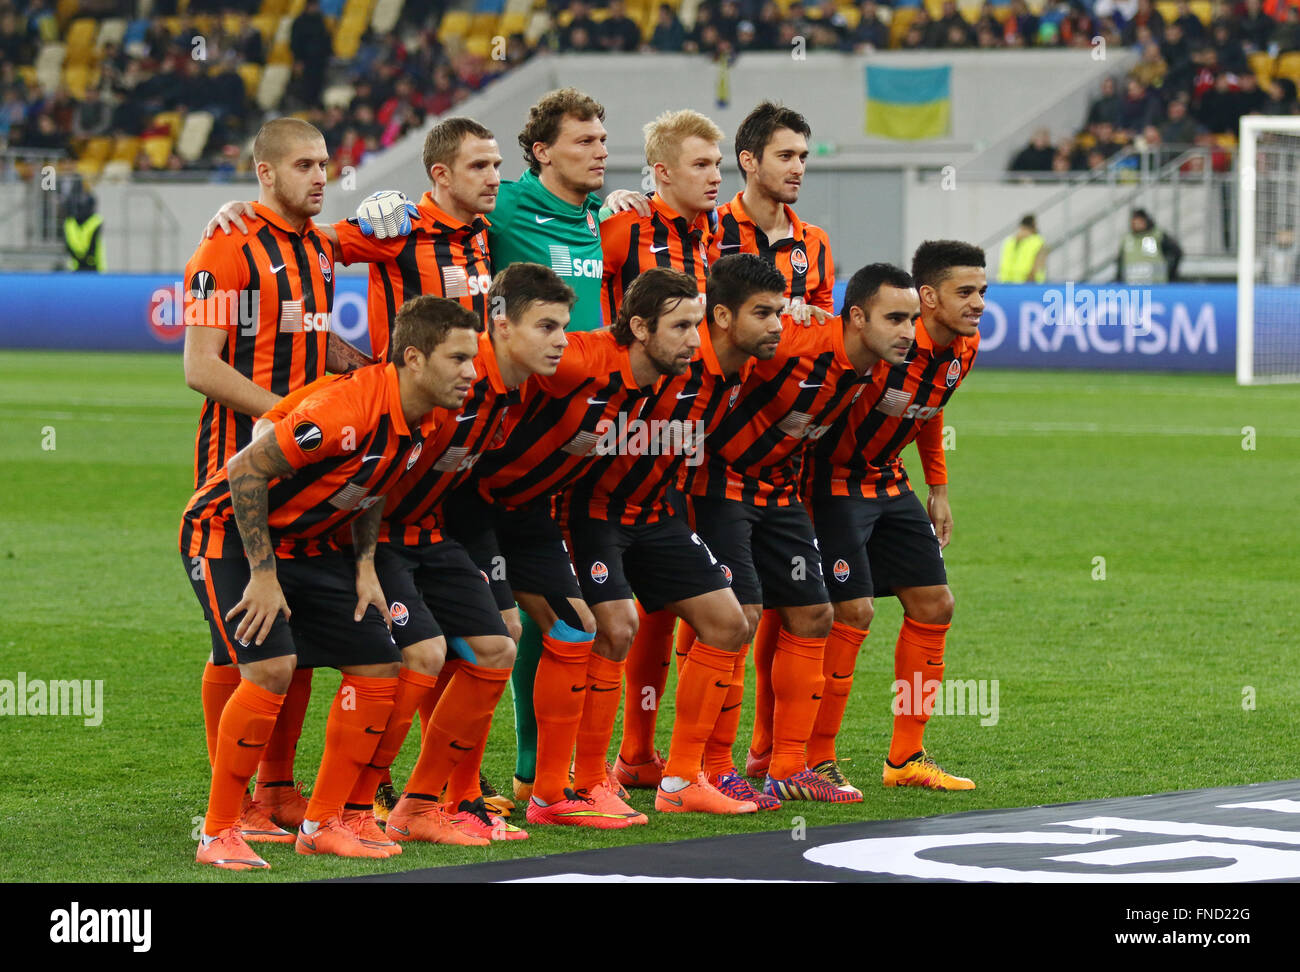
{"x":532,"y":225}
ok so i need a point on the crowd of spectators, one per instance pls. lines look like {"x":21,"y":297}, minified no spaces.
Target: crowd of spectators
{"x":1190,"y":87}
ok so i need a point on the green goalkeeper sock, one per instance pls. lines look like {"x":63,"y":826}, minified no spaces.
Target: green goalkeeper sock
{"x":521,"y":682}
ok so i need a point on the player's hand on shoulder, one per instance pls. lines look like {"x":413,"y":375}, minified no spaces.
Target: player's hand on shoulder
{"x":804,"y":313}
{"x":231,"y":214}
{"x":386,"y":214}
{"x":621,"y":200}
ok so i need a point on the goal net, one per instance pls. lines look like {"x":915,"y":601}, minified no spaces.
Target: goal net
{"x":1268,"y":251}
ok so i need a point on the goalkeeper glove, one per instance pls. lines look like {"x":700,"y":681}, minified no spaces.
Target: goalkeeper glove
{"x":386,"y":214}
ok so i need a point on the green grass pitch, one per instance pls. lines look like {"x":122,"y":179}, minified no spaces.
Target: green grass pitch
{"x":1176,"y":670}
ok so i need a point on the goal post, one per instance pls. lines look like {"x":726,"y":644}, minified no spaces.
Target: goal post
{"x":1268,"y":250}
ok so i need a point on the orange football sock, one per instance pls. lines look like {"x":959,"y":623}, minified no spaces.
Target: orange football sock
{"x":463,"y":783}
{"x":459,"y":723}
{"x":918,"y":660}
{"x":702,"y":685}
{"x":647,"y":675}
{"x":604,"y":680}
{"x":246,"y":721}
{"x":719,"y":757}
{"x":559,"y":690}
{"x":841,"y":659}
{"x":430,"y":701}
{"x":358,"y":719}
{"x":277,"y":761}
{"x":769,"y":628}
{"x":412,"y":689}
{"x":219,"y":684}
{"x":797,"y":681}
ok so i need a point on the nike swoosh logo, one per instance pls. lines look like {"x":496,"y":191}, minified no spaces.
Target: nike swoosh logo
{"x":577,"y":688}
{"x":466,"y":418}
{"x":668,"y":799}
{"x":277,"y":269}
{"x":249,"y":745}
{"x":658,"y":249}
{"x":728,"y":246}
{"x":453,"y":745}
{"x":691,"y":395}
{"x":398,"y":830}
{"x":728,"y":708}
{"x":368,"y":458}
{"x":371,"y":730}
{"x":612,"y":688}
{"x":543,"y":219}
{"x":816,"y":697}
{"x":838,"y":675}
{"x":804,"y":384}
{"x":722,"y":684}
{"x":593,"y":401}
{"x":306,"y":841}
{"x":934,"y":663}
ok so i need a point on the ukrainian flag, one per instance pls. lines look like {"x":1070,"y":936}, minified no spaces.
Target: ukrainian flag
{"x":909,"y":103}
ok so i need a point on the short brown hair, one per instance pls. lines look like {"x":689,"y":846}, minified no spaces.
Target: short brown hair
{"x":767,"y":118}
{"x":648,"y":299}
{"x":547,"y":116}
{"x":664,"y":135}
{"x":444,"y":139}
{"x":424,"y":322}
{"x":521,"y":285}
{"x":274,"y":138}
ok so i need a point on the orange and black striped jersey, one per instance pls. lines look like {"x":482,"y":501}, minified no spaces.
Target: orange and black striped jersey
{"x":861,"y":457}
{"x":413,"y":512}
{"x":630,"y":486}
{"x":272,"y":290}
{"x":563,"y":420}
{"x":803,"y":257}
{"x":442,"y":256}
{"x":632,"y":244}
{"x":348,"y":443}
{"x":754,"y":454}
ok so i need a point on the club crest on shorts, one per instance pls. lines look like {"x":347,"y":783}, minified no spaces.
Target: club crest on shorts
{"x":726,"y":572}
{"x":591,"y":224}
{"x":326,"y":268}
{"x":841,"y":570}
{"x":414,"y":457}
{"x":599,"y":572}
{"x":308,"y":436}
{"x":954,"y":372}
{"x":399,"y":613}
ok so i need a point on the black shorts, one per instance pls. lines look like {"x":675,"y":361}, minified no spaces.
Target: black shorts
{"x":518,"y":550}
{"x":322,"y":597}
{"x":435,"y":589}
{"x":658,"y":562}
{"x":870,"y":547}
{"x":769,"y":552}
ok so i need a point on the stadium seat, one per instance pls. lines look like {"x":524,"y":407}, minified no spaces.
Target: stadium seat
{"x":485,"y":24}
{"x":98,"y":148}
{"x":1261,"y":65}
{"x":135,"y":32}
{"x":490,"y":6}
{"x":1288,"y":66}
{"x":266,"y":25}
{"x":28,"y":73}
{"x":158,"y":148}
{"x":332,"y":8}
{"x":455,"y":24}
{"x":1168,"y":9}
{"x":347,"y":41}
{"x":274,"y":8}
{"x":1204,"y":11}
{"x":898,"y":26}
{"x":385,"y":16}
{"x":852,"y":15}
{"x":66,"y":10}
{"x":111,"y":31}
{"x":513,"y":23}
{"x":252,"y":75}
{"x":338,"y":96}
{"x":89,"y":169}
{"x":49,"y":66}
{"x":172,"y":119}
{"x":80,"y":40}
{"x":125,"y":149}
{"x":116,"y":170}
{"x":480,"y":45}
{"x":524,"y":7}
{"x":193,"y":138}
{"x":280,"y":54}
{"x":77,"y":78}
{"x":274,"y":80}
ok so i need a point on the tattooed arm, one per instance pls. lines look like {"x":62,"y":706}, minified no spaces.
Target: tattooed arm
{"x":251,"y":471}
{"x":365,"y":536}
{"x":341,"y":357}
